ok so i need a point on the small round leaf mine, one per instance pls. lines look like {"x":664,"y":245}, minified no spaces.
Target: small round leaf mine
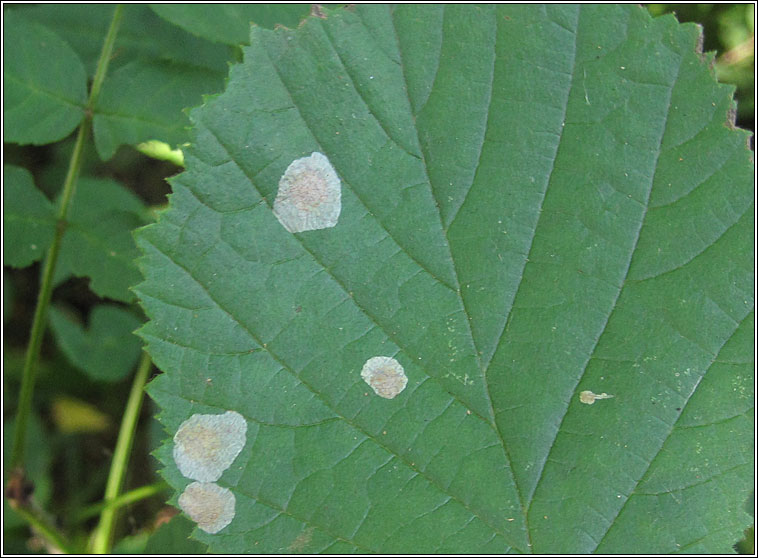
{"x":385,"y":375}
{"x":309,"y":196}
{"x":206,"y":445}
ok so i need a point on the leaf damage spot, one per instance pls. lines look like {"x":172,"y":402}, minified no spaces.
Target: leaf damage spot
{"x":302,"y":540}
{"x":206,"y":445}
{"x":589,"y":398}
{"x":385,"y":375}
{"x":208,"y":505}
{"x":309,"y":195}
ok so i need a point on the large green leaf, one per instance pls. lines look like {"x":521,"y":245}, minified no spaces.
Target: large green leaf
{"x":107,"y":350}
{"x":98,"y":241}
{"x":28,"y":218}
{"x":143,"y":100}
{"x":45,"y":84}
{"x":230,"y":23}
{"x":142,"y":35}
{"x":537,"y":202}
{"x":156,"y":71}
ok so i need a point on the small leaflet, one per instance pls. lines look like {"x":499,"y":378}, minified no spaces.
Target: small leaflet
{"x":589,"y":398}
{"x":309,"y":195}
{"x":206,"y":445}
{"x":208,"y":505}
{"x":385,"y":375}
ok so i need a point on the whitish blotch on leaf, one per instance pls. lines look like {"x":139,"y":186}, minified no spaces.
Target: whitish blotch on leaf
{"x":385,"y":376}
{"x":208,"y":505}
{"x":589,"y":398}
{"x":309,"y":195}
{"x":206,"y":445}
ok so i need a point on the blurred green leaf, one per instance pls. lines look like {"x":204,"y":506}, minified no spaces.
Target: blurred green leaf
{"x":8,"y":295}
{"x":132,"y":544}
{"x":107,"y":349}
{"x":38,"y":462}
{"x":142,"y":35}
{"x":725,"y":27}
{"x":98,"y":241}
{"x":28,"y":219}
{"x":45,"y":85}
{"x":230,"y":23}
{"x":535,"y":203}
{"x":174,"y":538}
{"x":747,"y":544}
{"x":144,"y":100}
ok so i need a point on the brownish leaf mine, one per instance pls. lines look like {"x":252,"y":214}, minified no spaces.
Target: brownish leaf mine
{"x":206,"y":445}
{"x":385,"y":376}
{"x":309,"y":195}
{"x":208,"y":505}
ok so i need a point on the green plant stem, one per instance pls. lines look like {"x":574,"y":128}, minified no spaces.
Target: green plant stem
{"x":101,"y":541}
{"x":105,"y":57}
{"x":44,"y":529}
{"x":141,"y":493}
{"x":29,"y":375}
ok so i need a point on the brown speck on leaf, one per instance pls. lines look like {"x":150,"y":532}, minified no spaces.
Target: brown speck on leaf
{"x":731,"y":118}
{"x":19,"y":489}
{"x":318,"y":11}
{"x":699,"y":45}
{"x":164,"y":515}
{"x":302,"y":540}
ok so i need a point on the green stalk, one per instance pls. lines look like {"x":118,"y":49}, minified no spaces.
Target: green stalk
{"x":29,"y":375}
{"x":51,"y":535}
{"x":141,"y":493}
{"x":102,"y":538}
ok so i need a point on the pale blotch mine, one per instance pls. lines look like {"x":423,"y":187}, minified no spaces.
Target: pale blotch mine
{"x":385,"y":376}
{"x":208,"y":505}
{"x":206,"y":445}
{"x":589,"y":398}
{"x":309,"y":195}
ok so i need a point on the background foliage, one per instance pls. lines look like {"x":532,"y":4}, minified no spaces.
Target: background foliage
{"x":79,"y":398}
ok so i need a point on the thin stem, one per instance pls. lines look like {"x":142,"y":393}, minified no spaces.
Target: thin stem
{"x":41,"y":526}
{"x":103,"y":535}
{"x":29,"y":375}
{"x":141,"y":493}
{"x":105,"y":57}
